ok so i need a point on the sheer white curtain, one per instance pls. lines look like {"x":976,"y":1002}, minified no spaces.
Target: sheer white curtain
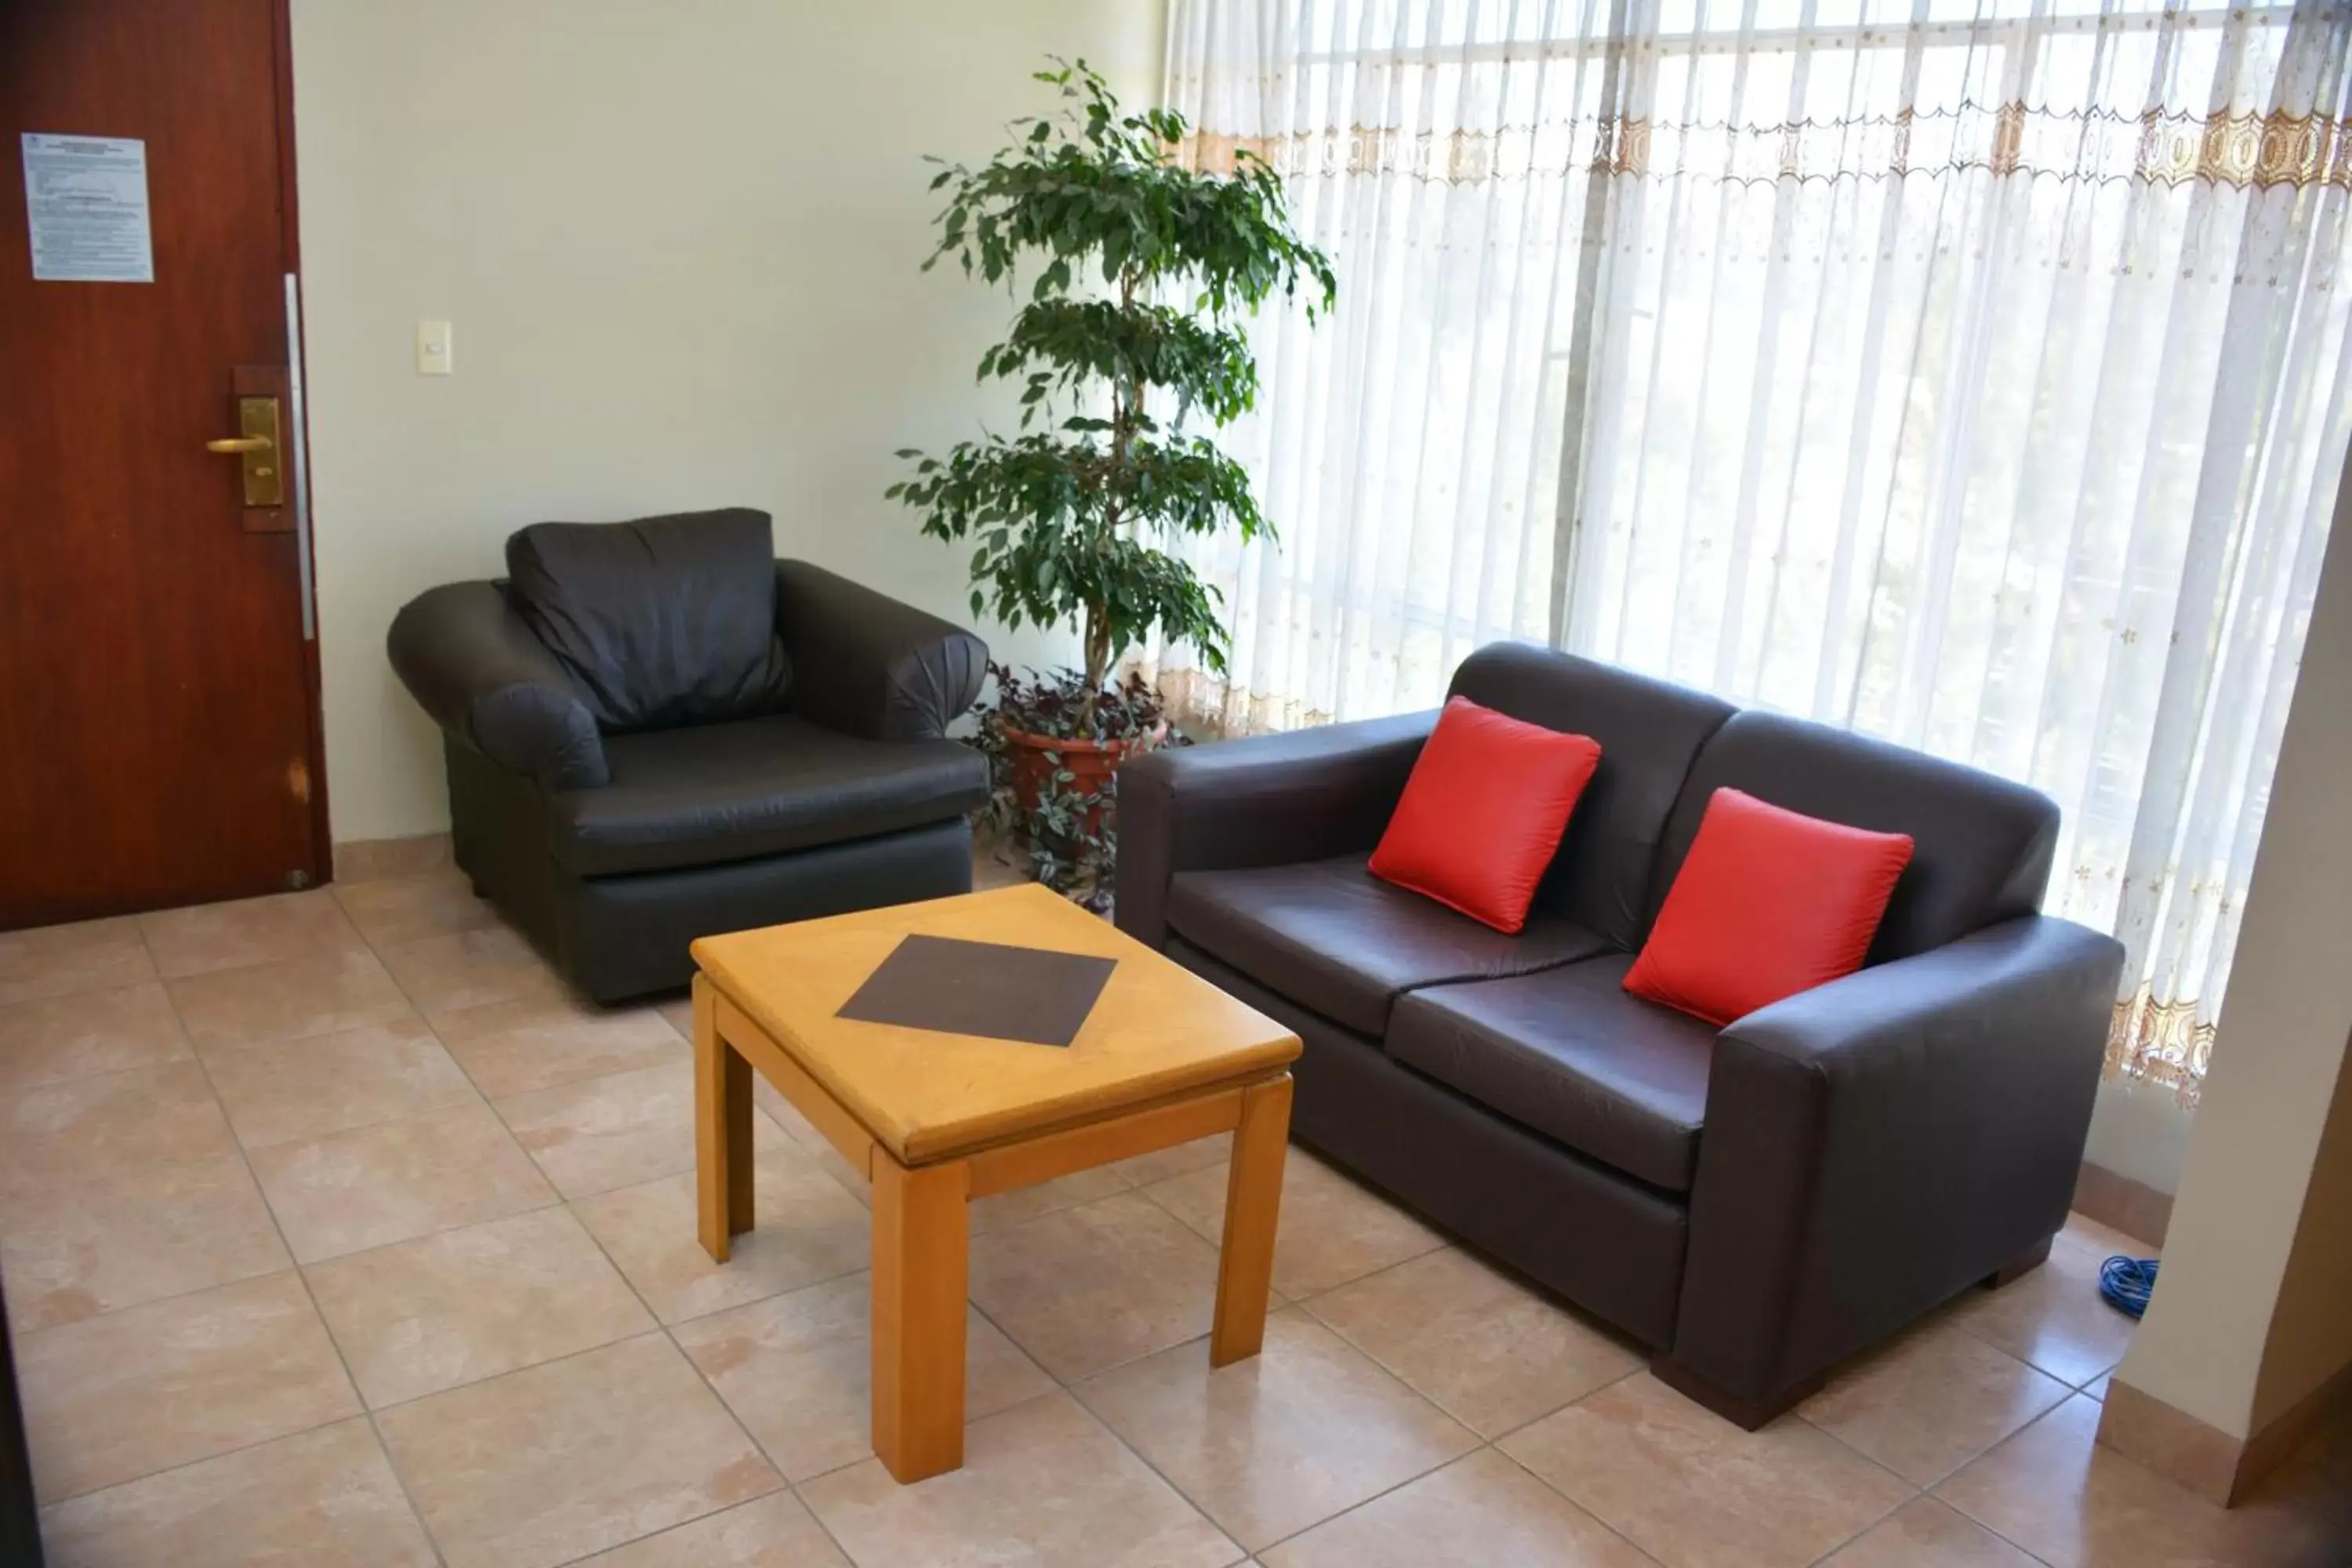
{"x":1408,"y":446}
{"x":1971,"y":372}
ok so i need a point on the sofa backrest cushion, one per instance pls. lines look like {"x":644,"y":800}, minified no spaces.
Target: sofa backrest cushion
{"x":1981,"y":845}
{"x":661,"y":621}
{"x":1649,"y":732}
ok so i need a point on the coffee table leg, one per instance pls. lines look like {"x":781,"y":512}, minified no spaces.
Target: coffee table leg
{"x":1253,"y":1204}
{"x":922,"y":1245}
{"x":722,"y":1129}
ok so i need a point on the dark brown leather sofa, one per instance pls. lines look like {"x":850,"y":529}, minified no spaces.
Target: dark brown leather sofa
{"x":1754,"y":1204}
{"x":656,"y":730}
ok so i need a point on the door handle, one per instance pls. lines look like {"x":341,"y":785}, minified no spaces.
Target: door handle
{"x":256,"y":447}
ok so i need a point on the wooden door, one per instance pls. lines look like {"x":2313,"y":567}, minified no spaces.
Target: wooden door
{"x":158,"y":710}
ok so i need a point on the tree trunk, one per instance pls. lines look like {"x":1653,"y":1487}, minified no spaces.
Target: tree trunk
{"x":1097,"y":635}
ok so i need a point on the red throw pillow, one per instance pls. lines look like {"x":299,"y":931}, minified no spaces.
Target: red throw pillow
{"x":1769,"y":902}
{"x":1482,"y":812}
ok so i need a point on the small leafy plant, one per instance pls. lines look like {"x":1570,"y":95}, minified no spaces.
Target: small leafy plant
{"x":1067,"y":825}
{"x":1067,"y":519}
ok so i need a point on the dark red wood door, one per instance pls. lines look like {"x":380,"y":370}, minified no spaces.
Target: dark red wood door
{"x":157,"y":680}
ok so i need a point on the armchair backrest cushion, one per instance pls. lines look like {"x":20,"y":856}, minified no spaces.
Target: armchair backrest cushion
{"x":1649,"y":731}
{"x":1981,"y":845}
{"x":661,"y":621}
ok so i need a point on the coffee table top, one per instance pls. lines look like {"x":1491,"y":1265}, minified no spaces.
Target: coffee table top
{"x":926,"y":1094}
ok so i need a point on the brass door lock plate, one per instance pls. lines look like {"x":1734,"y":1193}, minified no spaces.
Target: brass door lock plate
{"x":259,"y":449}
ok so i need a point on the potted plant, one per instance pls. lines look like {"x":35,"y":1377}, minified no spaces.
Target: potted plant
{"x":1140,"y":269}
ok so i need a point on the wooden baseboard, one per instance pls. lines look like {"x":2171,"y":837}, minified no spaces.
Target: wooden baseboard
{"x":370,"y":860}
{"x":2138,"y":1210}
{"x":2208,"y":1461}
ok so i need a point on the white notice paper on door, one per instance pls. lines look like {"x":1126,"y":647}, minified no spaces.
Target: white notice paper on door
{"x":86,"y":198}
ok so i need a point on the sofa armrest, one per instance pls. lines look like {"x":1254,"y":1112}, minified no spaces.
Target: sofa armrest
{"x":866,"y":664}
{"x":471,"y":663}
{"x":1874,"y":1145}
{"x":1304,"y":795}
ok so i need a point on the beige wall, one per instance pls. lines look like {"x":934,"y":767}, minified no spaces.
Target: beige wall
{"x":2266,"y":1176}
{"x":2141,"y":1130}
{"x":678,"y":243}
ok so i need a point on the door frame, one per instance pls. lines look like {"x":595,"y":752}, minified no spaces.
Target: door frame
{"x":322,"y":848}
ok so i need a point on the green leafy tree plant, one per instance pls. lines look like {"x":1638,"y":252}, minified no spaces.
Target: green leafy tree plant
{"x":1070,"y":521}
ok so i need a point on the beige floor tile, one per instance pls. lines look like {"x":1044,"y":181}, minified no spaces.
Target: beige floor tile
{"x":87,"y":1033}
{"x":1332,"y":1230}
{"x":1924,"y":1533}
{"x":1090,"y":1288}
{"x":2053,"y":1491}
{"x":292,"y":1001}
{"x":1490,"y":1351}
{"x":776,"y":1531}
{"x":1043,"y":1485}
{"x":1002,"y":1211}
{"x":469,"y":968}
{"x":1161,"y":1165}
{"x":122,"y":1189}
{"x":1482,"y":1512}
{"x":55,"y":961}
{"x":246,"y":931}
{"x":678,"y":1012}
{"x":331,"y":1083}
{"x":805,"y":1230}
{"x":846,"y":1176}
{"x":1696,"y":1491}
{"x":152,"y":1231}
{"x":420,"y":1316}
{"x":318,"y":1497}
{"x":384,"y":1183}
{"x":99,"y":1129}
{"x":557,"y":1461}
{"x":390,"y":910}
{"x":2097,"y":1387}
{"x":112,"y":1398}
{"x":616,"y":1130}
{"x":1931,"y":1402}
{"x":798,"y":1371}
{"x":1284,"y":1440}
{"x":2052,"y":1318}
{"x":538,"y":1042}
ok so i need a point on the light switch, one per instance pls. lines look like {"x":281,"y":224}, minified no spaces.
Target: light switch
{"x":433,"y":350}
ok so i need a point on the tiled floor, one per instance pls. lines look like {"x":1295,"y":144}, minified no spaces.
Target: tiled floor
{"x":335,"y":1233}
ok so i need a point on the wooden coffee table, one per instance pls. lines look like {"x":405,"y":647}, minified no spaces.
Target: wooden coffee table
{"x":936,"y":1117}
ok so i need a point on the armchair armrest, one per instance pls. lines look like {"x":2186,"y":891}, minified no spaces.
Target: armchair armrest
{"x":1874,"y":1145}
{"x":866,"y":664}
{"x":471,"y":663}
{"x":1304,"y":795}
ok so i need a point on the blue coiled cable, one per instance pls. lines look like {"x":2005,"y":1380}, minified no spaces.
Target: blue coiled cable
{"x":2125,"y":1282}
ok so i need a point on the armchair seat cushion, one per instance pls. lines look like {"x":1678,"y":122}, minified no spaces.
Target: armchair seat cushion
{"x":714,"y":793}
{"x":1566,"y":1052}
{"x":1338,"y":940}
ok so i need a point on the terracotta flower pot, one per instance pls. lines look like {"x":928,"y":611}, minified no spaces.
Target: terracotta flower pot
{"x":1030,"y":759}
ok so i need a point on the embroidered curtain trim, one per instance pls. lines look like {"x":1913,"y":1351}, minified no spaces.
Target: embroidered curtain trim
{"x":2255,"y":151}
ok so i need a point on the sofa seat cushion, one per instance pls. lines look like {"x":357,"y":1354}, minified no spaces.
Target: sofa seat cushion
{"x":1341,"y":942}
{"x":1566,"y":1053}
{"x":714,"y":793}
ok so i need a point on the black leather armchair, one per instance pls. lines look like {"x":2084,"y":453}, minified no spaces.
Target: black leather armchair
{"x":656,"y":730}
